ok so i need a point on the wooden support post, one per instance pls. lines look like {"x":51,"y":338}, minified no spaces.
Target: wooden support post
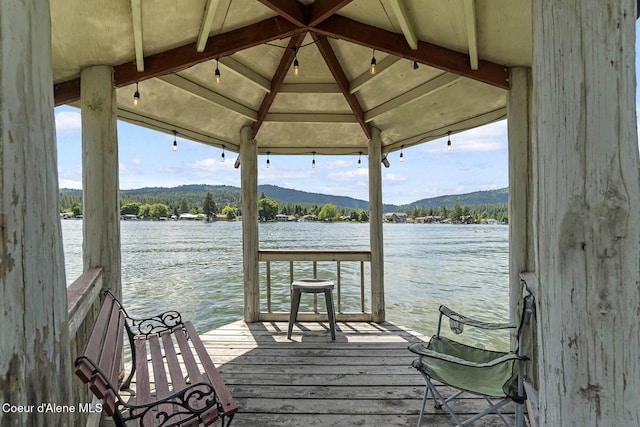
{"x":587,"y":211}
{"x":520,"y":184}
{"x":375,"y":227}
{"x":101,"y":197}
{"x":35,"y":364}
{"x":249,"y":184}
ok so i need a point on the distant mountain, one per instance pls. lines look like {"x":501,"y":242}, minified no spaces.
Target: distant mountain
{"x":489,"y":197}
{"x":224,"y":194}
{"x":288,"y":195}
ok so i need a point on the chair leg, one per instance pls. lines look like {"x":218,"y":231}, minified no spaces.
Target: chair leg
{"x":424,"y":402}
{"x":295,"y":304}
{"x":328,"y":297}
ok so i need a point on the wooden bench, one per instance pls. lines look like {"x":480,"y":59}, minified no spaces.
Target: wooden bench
{"x":166,"y":353}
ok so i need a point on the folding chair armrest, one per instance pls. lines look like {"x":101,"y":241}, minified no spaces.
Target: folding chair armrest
{"x":424,"y":352}
{"x":444,"y":310}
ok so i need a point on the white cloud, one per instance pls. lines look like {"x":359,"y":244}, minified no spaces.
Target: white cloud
{"x":393,"y":178}
{"x":361,"y":174}
{"x":68,"y":121}
{"x":491,"y":137}
{"x":210,"y":167}
{"x":69,"y":183}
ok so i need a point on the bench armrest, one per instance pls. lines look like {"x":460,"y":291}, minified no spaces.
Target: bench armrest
{"x":195,"y":402}
{"x":457,"y":320}
{"x":154,"y":325}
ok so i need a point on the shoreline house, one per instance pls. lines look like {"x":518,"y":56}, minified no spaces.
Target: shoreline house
{"x":321,"y":78}
{"x":396,"y":217}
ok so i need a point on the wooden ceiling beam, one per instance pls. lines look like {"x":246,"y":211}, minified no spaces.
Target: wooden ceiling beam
{"x":341,"y":79}
{"x":346,"y":29}
{"x":186,"y":56}
{"x":136,"y":15}
{"x":321,"y":10}
{"x":276,"y":81}
{"x":291,"y":10}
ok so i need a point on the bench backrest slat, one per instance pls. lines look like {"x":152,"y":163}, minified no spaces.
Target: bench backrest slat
{"x":159,"y":372}
{"x":143,"y":388}
{"x":99,"y":384}
{"x":172,"y":362}
{"x":84,"y":370}
{"x":229,"y":405}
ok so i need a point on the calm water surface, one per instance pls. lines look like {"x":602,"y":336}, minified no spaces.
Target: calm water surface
{"x":196,"y":268}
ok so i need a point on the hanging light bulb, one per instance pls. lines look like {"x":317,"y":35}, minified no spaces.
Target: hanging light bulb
{"x":401,"y":153}
{"x":222,"y":155}
{"x":313,"y":162}
{"x":268,"y":162}
{"x":136,"y":96}
{"x":372,"y":70}
{"x":175,"y":141}
{"x":359,"y":160}
{"x":296,"y":64}
{"x":449,"y":141}
{"x":217,"y":73}
{"x":415,"y":65}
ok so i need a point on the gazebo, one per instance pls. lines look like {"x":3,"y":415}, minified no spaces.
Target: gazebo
{"x":330,"y":77}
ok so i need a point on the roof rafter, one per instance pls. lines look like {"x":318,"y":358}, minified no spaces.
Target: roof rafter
{"x":207,"y":22}
{"x":427,"y":88}
{"x":472,"y":32}
{"x":429,"y":54}
{"x":276,"y":81}
{"x":341,"y":79}
{"x":185,"y":56}
{"x":136,"y":15}
{"x":400,"y":11}
{"x":209,"y":95}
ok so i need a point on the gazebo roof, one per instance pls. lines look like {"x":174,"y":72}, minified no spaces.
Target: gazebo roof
{"x":441,"y":66}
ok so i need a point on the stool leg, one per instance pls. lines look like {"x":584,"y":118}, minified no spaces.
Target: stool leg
{"x":328,"y":296}
{"x":293,"y":314}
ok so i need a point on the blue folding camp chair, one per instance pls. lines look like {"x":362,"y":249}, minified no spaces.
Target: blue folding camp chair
{"x":497,"y":376}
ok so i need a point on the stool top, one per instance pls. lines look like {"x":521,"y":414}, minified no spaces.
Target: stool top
{"x":312,"y":285}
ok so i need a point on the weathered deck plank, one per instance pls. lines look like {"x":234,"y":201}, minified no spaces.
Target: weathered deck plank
{"x":362,"y":378}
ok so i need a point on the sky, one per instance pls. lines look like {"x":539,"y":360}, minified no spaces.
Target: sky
{"x":478,"y":161}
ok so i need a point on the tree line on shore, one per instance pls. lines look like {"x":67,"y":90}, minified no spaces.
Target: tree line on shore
{"x":268,"y":208}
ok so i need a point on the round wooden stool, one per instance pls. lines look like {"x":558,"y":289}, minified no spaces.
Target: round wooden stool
{"x":312,"y":286}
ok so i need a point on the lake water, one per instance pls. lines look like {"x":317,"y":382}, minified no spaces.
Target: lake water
{"x":196,"y":268}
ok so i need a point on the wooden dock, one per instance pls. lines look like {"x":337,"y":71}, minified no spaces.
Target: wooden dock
{"x":362,"y":378}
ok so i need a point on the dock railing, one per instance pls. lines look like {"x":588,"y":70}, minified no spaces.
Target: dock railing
{"x":351,"y":276}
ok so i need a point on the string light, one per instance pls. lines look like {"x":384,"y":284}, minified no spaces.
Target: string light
{"x":359,"y":160}
{"x":175,"y":141}
{"x":401,"y":153}
{"x":222,"y":155}
{"x":449,"y":141}
{"x":268,"y":162}
{"x":372,"y":70}
{"x":296,"y":64}
{"x":313,"y":162}
{"x":217,"y":73}
{"x":136,"y":96}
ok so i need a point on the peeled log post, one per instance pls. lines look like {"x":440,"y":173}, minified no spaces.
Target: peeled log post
{"x":249,"y":184}
{"x":587,"y":212}
{"x":35,"y":365}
